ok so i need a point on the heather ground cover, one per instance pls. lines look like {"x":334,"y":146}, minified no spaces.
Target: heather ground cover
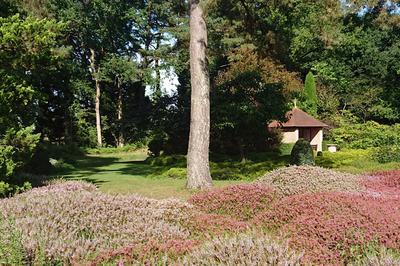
{"x":289,"y":216}
{"x":338,"y":219}
{"x":349,"y":220}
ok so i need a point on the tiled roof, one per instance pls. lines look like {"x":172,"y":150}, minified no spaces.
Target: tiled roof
{"x":297,"y":118}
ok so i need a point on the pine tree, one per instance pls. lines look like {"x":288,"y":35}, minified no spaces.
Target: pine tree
{"x":199,"y":138}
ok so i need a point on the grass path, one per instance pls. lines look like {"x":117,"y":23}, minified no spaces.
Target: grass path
{"x":127,"y":173}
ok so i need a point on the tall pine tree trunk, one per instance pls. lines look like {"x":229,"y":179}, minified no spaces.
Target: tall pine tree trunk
{"x":93,"y":65}
{"x":199,"y":139}
{"x":121,"y":139}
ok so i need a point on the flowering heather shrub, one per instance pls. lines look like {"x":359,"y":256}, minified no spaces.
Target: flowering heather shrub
{"x":11,"y":249}
{"x":384,"y":183}
{"x":384,"y":258}
{"x":240,"y":201}
{"x":335,"y":227}
{"x":305,"y":179}
{"x":213,"y":224}
{"x":242,"y":249}
{"x":150,"y":253}
{"x":72,"y":222}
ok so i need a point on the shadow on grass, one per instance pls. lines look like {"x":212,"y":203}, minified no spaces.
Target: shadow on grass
{"x":88,"y":168}
{"x":93,"y":180}
{"x":85,"y":167}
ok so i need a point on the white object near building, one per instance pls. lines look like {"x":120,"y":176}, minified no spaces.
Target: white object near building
{"x":332,"y":148}
{"x":300,"y":125}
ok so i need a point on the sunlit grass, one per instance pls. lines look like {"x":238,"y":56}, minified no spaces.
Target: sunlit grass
{"x":127,"y":173}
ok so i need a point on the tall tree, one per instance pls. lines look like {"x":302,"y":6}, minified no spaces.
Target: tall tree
{"x":310,"y":94}
{"x":96,"y":29}
{"x":199,"y":138}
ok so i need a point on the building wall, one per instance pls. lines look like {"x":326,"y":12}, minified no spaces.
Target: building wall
{"x":314,"y":135}
{"x":318,"y":136}
{"x":290,"y":135}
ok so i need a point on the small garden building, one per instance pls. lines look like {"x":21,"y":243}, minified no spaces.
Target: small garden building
{"x":300,"y":125}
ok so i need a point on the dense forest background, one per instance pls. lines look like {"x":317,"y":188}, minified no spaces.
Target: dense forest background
{"x":85,"y":73}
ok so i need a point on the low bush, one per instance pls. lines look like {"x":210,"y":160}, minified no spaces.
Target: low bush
{"x":335,"y":228}
{"x":366,"y":135}
{"x":386,"y":183}
{"x":167,"y":160}
{"x":72,"y":221}
{"x":175,"y":173}
{"x":156,"y":145}
{"x":7,"y":190}
{"x":309,"y":179}
{"x":381,"y":258}
{"x":344,"y":157}
{"x":302,"y":153}
{"x":386,"y":154}
{"x":16,"y":150}
{"x":11,"y":249}
{"x":109,"y":150}
{"x":239,"y":201}
{"x":243,"y":249}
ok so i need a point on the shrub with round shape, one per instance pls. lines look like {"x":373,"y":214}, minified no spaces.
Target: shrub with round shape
{"x":243,"y":249}
{"x":302,"y":153}
{"x":293,"y":180}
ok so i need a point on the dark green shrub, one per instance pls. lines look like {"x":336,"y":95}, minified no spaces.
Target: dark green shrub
{"x":167,"y":160}
{"x":310,"y":94}
{"x":156,"y":145}
{"x":386,"y":154}
{"x":320,"y":154}
{"x":302,"y":153}
{"x":16,"y":150}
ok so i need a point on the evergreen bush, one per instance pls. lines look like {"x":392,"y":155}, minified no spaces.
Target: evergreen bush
{"x":386,"y":154}
{"x":310,"y":94}
{"x":302,"y":153}
{"x":156,"y":145}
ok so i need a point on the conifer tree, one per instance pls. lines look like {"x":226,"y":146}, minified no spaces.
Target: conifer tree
{"x":310,"y":94}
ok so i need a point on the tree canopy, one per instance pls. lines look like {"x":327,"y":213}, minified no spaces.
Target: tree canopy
{"x":72,"y":69}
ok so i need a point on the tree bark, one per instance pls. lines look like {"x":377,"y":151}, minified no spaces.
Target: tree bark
{"x":93,"y":65}
{"x":121,"y":139}
{"x":199,"y":138}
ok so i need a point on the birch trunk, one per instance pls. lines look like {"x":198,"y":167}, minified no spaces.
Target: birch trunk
{"x":93,"y":65}
{"x":198,"y":152}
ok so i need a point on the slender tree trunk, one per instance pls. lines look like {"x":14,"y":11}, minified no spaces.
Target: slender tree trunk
{"x":98,"y":95}
{"x":158,"y":73}
{"x":199,"y":139}
{"x":121,"y":139}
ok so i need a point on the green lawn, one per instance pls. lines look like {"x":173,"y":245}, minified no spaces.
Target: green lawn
{"x":165,"y":176}
{"x":354,"y":161}
{"x":127,"y":173}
